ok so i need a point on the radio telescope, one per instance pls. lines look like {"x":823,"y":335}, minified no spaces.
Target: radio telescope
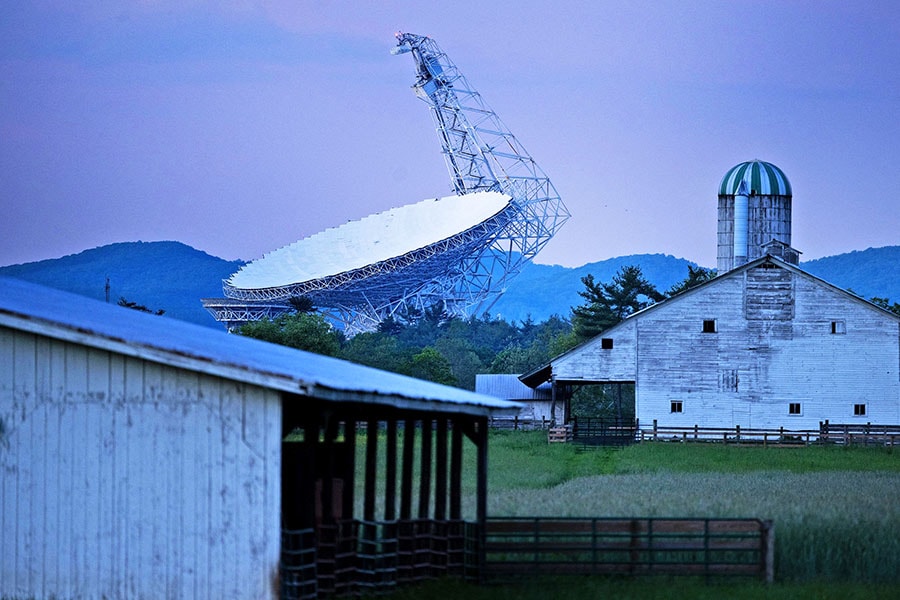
{"x":457,"y":252}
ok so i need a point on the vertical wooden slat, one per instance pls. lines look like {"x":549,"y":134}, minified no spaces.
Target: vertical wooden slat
{"x":440,"y":476}
{"x":456,"y":470}
{"x":425,"y":470}
{"x":308,"y":502}
{"x":371,"y":467}
{"x":390,"y":475}
{"x":349,"y":468}
{"x":328,"y":475}
{"x":481,"y":501}
{"x":409,"y":442}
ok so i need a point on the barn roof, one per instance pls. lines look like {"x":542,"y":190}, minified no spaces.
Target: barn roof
{"x":61,"y":315}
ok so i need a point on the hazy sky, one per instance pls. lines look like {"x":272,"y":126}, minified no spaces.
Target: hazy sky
{"x":239,"y":127}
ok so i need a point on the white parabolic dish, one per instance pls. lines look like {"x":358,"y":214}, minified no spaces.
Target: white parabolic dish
{"x":370,"y":240}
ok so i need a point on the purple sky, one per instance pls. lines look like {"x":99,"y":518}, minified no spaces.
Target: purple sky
{"x":239,"y":127}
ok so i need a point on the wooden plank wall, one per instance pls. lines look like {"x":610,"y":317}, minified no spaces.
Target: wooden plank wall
{"x":121,"y":478}
{"x":773,"y":346}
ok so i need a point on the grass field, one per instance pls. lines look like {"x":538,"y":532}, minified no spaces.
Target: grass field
{"x":836,"y":510}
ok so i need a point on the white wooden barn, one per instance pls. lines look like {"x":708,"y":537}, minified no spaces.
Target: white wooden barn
{"x":764,"y":345}
{"x":141,"y":457}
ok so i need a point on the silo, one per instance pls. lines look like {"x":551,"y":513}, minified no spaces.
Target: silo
{"x":754,"y":209}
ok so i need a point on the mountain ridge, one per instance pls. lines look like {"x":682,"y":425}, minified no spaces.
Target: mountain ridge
{"x":173,"y":276}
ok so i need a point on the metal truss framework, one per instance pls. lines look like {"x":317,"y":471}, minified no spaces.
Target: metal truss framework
{"x":467,"y":272}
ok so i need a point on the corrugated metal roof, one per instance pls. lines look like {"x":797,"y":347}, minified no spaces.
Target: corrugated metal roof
{"x":763,"y":179}
{"x":62,"y":315}
{"x":508,"y":386}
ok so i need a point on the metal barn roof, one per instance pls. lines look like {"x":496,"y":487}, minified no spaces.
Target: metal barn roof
{"x":763,"y":179}
{"x":61,"y":315}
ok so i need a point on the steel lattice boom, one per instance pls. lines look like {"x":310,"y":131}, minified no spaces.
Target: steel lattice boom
{"x":464,"y":272}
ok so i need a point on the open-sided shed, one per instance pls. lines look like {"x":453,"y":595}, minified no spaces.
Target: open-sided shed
{"x":146,"y":457}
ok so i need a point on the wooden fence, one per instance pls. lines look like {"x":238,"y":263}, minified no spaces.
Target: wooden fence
{"x":855,"y":434}
{"x":517,"y":546}
{"x":517,"y":423}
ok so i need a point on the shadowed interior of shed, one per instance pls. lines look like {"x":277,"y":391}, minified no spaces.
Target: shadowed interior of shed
{"x":409,"y":523}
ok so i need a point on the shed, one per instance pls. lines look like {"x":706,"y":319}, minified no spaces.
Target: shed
{"x":766,"y":345}
{"x":536,"y":402}
{"x":143,"y":457}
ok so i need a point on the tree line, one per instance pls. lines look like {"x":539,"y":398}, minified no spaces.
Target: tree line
{"x":432,"y":345}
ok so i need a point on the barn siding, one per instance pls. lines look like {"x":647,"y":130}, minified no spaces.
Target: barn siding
{"x":593,"y":363}
{"x":774,"y":341}
{"x":122,"y":478}
{"x":773,"y":346}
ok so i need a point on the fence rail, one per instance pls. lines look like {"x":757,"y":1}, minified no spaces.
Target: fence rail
{"x":517,"y":423}
{"x":857,"y":434}
{"x":551,"y":546}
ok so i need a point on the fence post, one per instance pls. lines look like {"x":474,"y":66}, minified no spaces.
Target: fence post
{"x":768,"y":551}
{"x":737,"y":432}
{"x":654,"y":429}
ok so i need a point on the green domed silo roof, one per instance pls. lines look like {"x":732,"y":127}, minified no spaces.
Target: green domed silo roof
{"x":763,"y":179}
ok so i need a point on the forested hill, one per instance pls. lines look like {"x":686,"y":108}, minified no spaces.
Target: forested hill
{"x":168,"y":276}
{"x":172,"y":276}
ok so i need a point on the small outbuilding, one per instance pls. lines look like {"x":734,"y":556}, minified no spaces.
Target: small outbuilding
{"x":536,"y":402}
{"x":143,"y":457}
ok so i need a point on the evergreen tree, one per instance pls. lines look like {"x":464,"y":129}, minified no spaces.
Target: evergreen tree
{"x":696,"y":276}
{"x":608,"y":303}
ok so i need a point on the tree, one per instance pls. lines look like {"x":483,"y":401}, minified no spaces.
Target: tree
{"x":608,"y":303}
{"x":303,"y":304}
{"x":886,"y":304}
{"x":134,"y":305}
{"x":304,"y":331}
{"x":432,"y":365}
{"x":696,"y":276}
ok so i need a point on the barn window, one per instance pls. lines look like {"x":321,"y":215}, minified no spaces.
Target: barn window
{"x":859,"y":410}
{"x":794,"y":408}
{"x":677,"y":406}
{"x":709,"y":326}
{"x":838,"y":327}
{"x":606,"y":343}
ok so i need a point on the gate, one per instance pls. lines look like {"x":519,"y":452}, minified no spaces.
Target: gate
{"x":515,"y":546}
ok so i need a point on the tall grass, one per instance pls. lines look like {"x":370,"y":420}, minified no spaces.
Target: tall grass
{"x":836,"y":510}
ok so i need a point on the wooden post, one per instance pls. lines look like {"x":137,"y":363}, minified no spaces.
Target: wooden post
{"x":440,"y":476}
{"x":349,"y":469}
{"x":425,"y":470}
{"x":328,"y":515}
{"x":481,"y":500}
{"x":654,"y":429}
{"x":371,"y":466}
{"x":390,"y":473}
{"x":409,"y":442}
{"x":768,"y":547}
{"x":309,"y":471}
{"x":456,"y":471}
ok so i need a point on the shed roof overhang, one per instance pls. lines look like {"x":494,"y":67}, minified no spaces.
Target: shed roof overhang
{"x":61,"y":315}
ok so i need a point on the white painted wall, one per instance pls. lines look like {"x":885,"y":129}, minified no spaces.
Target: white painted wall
{"x":773,"y":346}
{"x":121,"y":478}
